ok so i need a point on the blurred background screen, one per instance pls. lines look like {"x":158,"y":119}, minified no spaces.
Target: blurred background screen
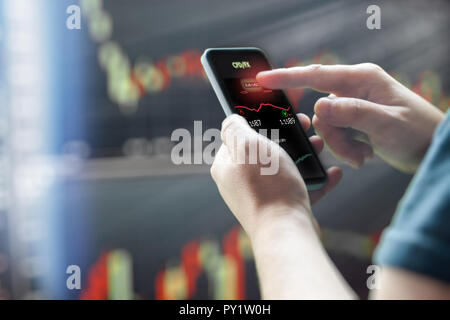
{"x":85,"y":126}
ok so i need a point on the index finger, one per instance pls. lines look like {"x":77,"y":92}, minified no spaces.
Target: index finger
{"x":326,"y":78}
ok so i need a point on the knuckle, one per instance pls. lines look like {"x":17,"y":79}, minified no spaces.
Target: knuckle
{"x":356,"y":107}
{"x":317,"y":71}
{"x":315,"y":67}
{"x":372,"y":68}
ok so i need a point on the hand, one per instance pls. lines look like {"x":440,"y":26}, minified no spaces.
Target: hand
{"x":257,"y":199}
{"x":368,"y":112}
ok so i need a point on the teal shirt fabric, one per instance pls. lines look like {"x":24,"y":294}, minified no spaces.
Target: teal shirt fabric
{"x":418,"y":238}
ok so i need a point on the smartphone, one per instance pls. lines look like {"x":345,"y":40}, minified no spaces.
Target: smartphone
{"x":232,"y":73}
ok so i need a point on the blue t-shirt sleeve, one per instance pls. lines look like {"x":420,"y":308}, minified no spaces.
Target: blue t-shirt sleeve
{"x":418,"y":238}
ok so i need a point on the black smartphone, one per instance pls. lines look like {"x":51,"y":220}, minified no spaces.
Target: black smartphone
{"x":232,"y":73}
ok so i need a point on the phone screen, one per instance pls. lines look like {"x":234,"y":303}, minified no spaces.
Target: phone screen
{"x":235,"y":71}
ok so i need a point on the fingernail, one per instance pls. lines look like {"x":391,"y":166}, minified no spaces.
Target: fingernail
{"x":266,"y":72}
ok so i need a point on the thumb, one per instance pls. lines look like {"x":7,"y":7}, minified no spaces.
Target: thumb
{"x":234,"y":125}
{"x":355,"y":113}
{"x":237,"y":136}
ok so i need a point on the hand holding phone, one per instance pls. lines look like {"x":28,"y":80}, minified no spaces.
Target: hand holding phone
{"x":232,"y":73}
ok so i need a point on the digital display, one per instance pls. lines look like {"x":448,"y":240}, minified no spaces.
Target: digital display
{"x":264,"y":108}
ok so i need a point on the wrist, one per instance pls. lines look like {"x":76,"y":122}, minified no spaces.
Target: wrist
{"x":274,"y":222}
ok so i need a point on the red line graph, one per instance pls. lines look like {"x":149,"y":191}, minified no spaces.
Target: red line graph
{"x":262,"y":105}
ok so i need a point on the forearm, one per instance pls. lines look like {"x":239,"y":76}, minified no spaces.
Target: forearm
{"x":292,"y":263}
{"x":396,"y":283}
